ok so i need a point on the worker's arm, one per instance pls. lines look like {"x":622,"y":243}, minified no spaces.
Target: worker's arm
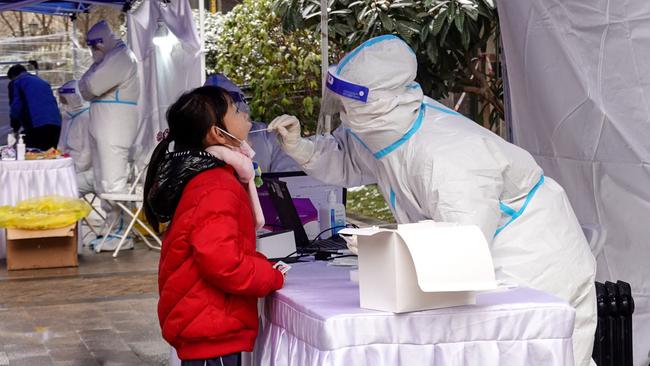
{"x":16,"y":106}
{"x":115,"y":68}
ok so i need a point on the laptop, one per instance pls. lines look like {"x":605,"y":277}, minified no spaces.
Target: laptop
{"x":288,"y":215}
{"x":308,"y":194}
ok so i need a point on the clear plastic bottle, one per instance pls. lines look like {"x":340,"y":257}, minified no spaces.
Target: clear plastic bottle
{"x":20,"y":148}
{"x":331,"y":215}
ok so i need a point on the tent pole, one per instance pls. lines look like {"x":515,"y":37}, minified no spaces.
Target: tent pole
{"x":202,"y":36}
{"x":324,"y":54}
{"x":75,"y":54}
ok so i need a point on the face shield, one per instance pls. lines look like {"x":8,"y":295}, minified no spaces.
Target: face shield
{"x":239,"y":101}
{"x":338,"y":92}
{"x":65,"y":93}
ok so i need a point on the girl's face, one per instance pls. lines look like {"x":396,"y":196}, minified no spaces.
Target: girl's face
{"x":237,"y":122}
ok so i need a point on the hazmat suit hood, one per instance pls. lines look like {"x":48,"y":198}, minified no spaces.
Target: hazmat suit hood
{"x":69,"y":92}
{"x":101,"y":37}
{"x":387,"y":66}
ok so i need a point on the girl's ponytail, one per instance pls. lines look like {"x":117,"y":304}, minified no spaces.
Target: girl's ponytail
{"x":156,"y":158}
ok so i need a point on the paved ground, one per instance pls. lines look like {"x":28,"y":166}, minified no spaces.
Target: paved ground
{"x":102,"y":313}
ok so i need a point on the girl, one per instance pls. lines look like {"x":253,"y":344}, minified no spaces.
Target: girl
{"x":210,"y":275}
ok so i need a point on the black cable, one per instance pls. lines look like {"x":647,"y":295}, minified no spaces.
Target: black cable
{"x":341,"y":256}
{"x":326,"y":230}
{"x":315,"y":250}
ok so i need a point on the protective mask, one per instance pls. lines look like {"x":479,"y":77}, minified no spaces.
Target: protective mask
{"x":97,"y":55}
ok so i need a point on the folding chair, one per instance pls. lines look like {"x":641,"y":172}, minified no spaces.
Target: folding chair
{"x":121,"y":200}
{"x":85,"y":219}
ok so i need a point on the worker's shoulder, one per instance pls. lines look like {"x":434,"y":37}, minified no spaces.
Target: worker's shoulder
{"x":122,"y":54}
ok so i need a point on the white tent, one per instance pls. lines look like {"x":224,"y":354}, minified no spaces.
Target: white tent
{"x":579,"y":85}
{"x":164,"y":39}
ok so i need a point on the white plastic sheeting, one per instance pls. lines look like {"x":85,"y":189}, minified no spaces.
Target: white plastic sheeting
{"x":5,"y":121}
{"x":169,"y":64}
{"x":579,"y":80}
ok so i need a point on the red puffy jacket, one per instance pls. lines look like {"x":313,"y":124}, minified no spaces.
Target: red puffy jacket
{"x":210,"y":275}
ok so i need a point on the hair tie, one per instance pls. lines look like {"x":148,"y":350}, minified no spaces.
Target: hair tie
{"x":163,"y":135}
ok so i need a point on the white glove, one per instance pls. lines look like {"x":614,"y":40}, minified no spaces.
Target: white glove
{"x":288,"y":131}
{"x":351,"y":241}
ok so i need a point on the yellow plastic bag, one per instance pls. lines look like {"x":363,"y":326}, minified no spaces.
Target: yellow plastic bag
{"x":42,"y":213}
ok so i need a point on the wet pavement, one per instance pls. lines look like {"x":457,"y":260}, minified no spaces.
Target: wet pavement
{"x":101,"y":313}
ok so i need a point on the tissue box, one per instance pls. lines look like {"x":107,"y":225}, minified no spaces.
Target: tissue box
{"x":32,"y":249}
{"x":422,"y":266}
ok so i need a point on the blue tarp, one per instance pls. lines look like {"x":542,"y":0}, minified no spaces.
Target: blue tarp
{"x":56,"y":7}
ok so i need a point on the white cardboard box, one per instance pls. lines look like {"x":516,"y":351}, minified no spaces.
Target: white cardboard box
{"x":276,"y":244}
{"x":422,"y":266}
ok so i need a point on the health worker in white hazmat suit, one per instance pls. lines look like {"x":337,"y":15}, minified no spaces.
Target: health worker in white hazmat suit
{"x":74,"y":139}
{"x":432,"y":163}
{"x":112,"y":87}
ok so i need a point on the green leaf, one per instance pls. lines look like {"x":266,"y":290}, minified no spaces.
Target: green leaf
{"x":459,"y":20}
{"x":387,"y":22}
{"x":443,"y":34}
{"x":308,"y":104}
{"x":438,"y":23}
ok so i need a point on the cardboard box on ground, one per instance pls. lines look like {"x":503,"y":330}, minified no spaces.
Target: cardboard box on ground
{"x":33,"y":249}
{"x":422,"y":266}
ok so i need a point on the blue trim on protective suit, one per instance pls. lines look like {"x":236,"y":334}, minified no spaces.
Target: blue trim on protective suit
{"x":358,"y":139}
{"x":72,"y":117}
{"x":514,"y":215}
{"x":413,"y":85}
{"x":116,"y":101}
{"x":365,"y":44}
{"x":506,"y":209}
{"x":113,"y":102}
{"x":444,"y":110}
{"x":392,"y":198}
{"x":414,"y":128}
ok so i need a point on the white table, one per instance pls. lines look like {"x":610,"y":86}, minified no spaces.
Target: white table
{"x":316,"y":320}
{"x":20,"y":180}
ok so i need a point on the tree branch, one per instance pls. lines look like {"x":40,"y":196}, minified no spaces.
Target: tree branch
{"x":8,"y":23}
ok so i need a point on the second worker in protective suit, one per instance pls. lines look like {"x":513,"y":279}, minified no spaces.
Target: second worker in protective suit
{"x":74,"y":134}
{"x":432,"y":163}
{"x":111,"y":85}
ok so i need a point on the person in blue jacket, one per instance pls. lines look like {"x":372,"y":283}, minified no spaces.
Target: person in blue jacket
{"x":34,"y":108}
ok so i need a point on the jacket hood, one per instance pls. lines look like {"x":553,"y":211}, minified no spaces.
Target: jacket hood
{"x":171,"y":177}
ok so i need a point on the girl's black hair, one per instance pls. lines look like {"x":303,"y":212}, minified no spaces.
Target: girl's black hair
{"x":189,"y":119}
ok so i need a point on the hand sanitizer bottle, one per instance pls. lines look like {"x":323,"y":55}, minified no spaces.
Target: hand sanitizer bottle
{"x":331,"y":215}
{"x":20,"y":148}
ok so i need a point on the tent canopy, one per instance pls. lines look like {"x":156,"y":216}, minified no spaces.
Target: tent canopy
{"x":63,"y":8}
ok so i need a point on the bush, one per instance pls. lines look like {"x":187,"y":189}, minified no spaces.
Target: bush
{"x":367,"y":201}
{"x":279,"y":71}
